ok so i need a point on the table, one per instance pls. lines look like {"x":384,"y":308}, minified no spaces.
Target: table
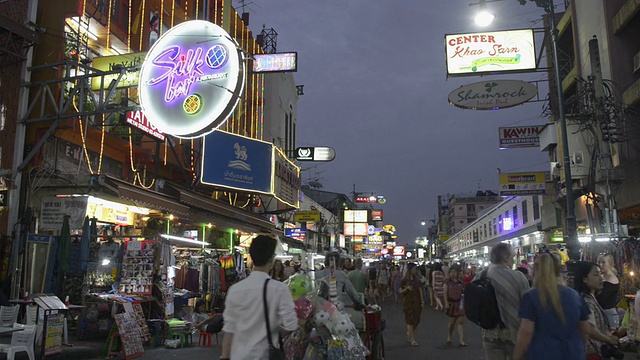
{"x":9,"y":330}
{"x":23,"y":306}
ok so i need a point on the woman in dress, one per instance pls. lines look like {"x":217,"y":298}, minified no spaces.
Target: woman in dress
{"x":396,"y":279}
{"x":277,"y":271}
{"x":588,"y":281}
{"x":608,"y":296}
{"x":453,"y":291}
{"x":554,"y":317}
{"x":410,"y":289}
{"x":437,"y":281}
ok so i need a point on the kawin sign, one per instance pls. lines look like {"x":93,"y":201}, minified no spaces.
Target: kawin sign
{"x":191,"y":79}
{"x":492,"y":95}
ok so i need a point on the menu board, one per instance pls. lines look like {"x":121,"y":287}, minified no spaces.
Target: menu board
{"x":52,"y":337}
{"x":137,"y":268}
{"x":130,"y":335}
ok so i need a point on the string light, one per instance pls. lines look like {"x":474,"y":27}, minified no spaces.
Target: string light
{"x":109,"y":25}
{"x":142,"y":22}
{"x":84,"y":145}
{"x":101,"y":146}
{"x":166,"y":145}
{"x":173,"y":12}
{"x":130,"y":24}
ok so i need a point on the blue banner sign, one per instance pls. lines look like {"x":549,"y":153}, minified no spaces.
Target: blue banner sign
{"x":237,"y":162}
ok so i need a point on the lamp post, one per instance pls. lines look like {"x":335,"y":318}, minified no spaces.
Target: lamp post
{"x":573,"y":246}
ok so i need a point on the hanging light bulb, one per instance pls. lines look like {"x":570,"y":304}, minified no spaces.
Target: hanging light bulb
{"x":484,"y":17}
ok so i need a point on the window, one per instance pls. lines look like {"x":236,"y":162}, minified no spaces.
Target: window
{"x":500,"y":223}
{"x":525,"y":218}
{"x":515,"y":216}
{"x":120,"y":13}
{"x":536,"y":208}
{"x":461,"y":221}
{"x":495,"y":227}
{"x":485,"y":230}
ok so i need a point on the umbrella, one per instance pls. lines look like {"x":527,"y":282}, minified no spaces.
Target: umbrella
{"x":84,"y":244}
{"x":64,"y":246}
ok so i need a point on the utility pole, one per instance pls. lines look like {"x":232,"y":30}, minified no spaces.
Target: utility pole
{"x":573,"y":246}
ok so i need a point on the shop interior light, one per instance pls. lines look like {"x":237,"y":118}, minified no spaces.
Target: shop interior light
{"x":209,"y":225}
{"x":105,"y":262}
{"x":173,"y":238}
{"x":171,"y":217}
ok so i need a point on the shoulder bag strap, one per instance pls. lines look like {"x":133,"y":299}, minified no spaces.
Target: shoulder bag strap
{"x":266,"y":311}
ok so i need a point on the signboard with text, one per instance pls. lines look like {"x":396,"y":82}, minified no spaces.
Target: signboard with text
{"x":286,"y":181}
{"x":492,"y":95}
{"x":490,"y":52}
{"x":306,"y":216}
{"x":106,"y":63}
{"x":53,"y":210}
{"x":532,"y":183}
{"x":356,"y":229}
{"x":376,"y":215}
{"x":316,"y":153}
{"x":279,"y":62}
{"x":520,"y":136}
{"x":355,"y":216}
{"x":237,"y":162}
{"x":191,"y":79}
{"x":297,"y":233}
{"x":137,"y":120}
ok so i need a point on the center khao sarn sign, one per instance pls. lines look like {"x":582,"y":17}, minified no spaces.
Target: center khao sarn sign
{"x":191,"y":79}
{"x":492,"y":94}
{"x":490,"y":52}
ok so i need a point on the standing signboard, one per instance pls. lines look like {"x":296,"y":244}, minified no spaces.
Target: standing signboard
{"x":130,"y":335}
{"x":53,"y":327}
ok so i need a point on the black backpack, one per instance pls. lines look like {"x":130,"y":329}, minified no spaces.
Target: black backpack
{"x":480,"y":303}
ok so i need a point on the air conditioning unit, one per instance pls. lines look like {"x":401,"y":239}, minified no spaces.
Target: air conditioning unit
{"x":636,"y":62}
{"x":556,"y":167}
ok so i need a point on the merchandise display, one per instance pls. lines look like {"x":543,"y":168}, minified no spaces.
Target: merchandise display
{"x":137,"y":268}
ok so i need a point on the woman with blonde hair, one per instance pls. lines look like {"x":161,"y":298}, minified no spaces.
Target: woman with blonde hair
{"x":554,"y":317}
{"x":608,"y":296}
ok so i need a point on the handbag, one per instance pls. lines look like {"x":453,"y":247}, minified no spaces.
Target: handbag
{"x":274,"y":352}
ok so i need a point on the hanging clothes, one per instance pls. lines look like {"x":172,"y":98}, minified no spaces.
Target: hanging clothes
{"x":192,"y":281}
{"x":241,"y":269}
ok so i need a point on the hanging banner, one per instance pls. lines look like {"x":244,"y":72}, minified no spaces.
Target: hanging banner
{"x":53,"y":210}
{"x":130,"y":78}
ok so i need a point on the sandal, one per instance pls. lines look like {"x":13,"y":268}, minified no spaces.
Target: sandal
{"x":414,"y":343}
{"x":463,"y":345}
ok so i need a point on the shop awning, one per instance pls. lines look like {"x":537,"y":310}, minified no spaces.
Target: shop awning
{"x":226,"y":214}
{"x":144,"y":197}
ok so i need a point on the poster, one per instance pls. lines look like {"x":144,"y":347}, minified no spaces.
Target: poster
{"x":54,"y":326}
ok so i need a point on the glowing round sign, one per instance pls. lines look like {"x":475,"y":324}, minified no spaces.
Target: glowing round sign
{"x":191,"y":79}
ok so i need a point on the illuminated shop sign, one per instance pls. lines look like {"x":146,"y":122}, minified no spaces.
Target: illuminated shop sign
{"x":287,"y":181}
{"x":355,"y":216}
{"x":490,"y":52}
{"x":263,"y":63}
{"x":237,"y":162}
{"x":355,"y":229}
{"x":399,"y":250}
{"x":376,"y":215}
{"x":492,"y":95}
{"x":139,"y":121}
{"x":520,"y":136}
{"x":533,"y":183}
{"x":106,"y":63}
{"x":191,"y":79}
{"x":315,"y":154}
{"x":297,"y":233}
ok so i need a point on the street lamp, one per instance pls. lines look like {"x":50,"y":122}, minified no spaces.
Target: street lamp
{"x":573,"y":246}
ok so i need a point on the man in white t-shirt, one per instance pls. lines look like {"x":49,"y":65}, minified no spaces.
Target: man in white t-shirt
{"x":245,"y":335}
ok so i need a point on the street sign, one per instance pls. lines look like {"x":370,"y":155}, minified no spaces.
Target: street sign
{"x":318,"y":153}
{"x":306,"y":216}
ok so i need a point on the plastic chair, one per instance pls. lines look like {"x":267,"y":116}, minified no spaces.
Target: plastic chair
{"x":206,"y":337}
{"x":9,"y":315}
{"x":21,"y":341}
{"x":31,"y":318}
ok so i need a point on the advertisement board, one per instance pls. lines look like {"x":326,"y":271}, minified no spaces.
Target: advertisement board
{"x":279,"y":62}
{"x":53,"y":210}
{"x":532,"y":183}
{"x":355,"y":229}
{"x":376,"y":215}
{"x":318,"y":153}
{"x":399,"y":250}
{"x":490,"y":52}
{"x":306,"y":216}
{"x":492,"y":95}
{"x":191,"y":79}
{"x":297,"y":233}
{"x":520,"y":136}
{"x":355,"y":216}
{"x":137,"y":120}
{"x":237,"y":162}
{"x":106,"y":63}
{"x":286,"y":180}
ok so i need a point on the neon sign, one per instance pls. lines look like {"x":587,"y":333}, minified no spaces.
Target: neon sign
{"x":191,"y":79}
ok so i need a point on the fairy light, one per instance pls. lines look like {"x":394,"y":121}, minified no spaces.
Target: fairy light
{"x":84,"y":145}
{"x":166,"y":145}
{"x":101,"y":146}
{"x":173,"y":12}
{"x":197,"y":9}
{"x":130,"y":25}
{"x":161,"y":24}
{"x":109,"y":25}
{"x":142,"y":22}
{"x":186,"y":7}
{"x":131,"y":153}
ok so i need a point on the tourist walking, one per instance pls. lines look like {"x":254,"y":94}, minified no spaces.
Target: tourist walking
{"x":453,"y":293}
{"x":437,"y":280}
{"x":509,"y":286}
{"x":245,"y":333}
{"x":396,"y":278}
{"x":608,"y":296}
{"x":587,"y":280}
{"x":410,"y":288}
{"x":554,"y":317}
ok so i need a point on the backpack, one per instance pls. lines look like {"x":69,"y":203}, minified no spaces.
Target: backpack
{"x":480,"y":303}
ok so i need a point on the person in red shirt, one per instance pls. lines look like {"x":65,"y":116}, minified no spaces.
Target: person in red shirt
{"x":468,"y":276}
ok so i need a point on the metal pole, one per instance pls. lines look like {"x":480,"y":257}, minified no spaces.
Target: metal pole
{"x":573,"y":246}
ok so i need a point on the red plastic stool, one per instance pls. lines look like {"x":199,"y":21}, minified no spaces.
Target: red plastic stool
{"x":205,"y":338}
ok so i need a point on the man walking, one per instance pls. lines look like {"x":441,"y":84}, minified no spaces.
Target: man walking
{"x":358,"y":277}
{"x":245,"y":335}
{"x":509,"y":286}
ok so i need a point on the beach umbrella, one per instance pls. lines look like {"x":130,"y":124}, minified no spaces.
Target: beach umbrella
{"x":84,"y":244}
{"x":64,"y":246}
